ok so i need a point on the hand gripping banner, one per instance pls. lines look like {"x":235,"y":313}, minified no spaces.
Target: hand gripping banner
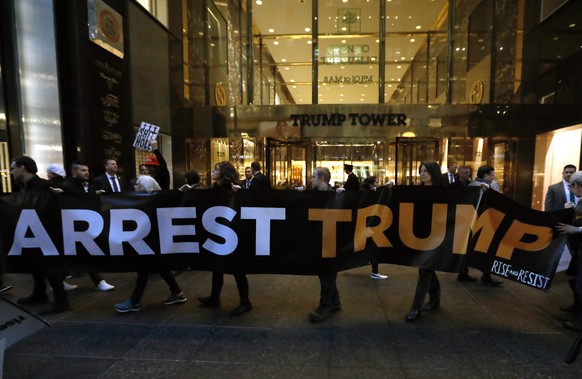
{"x":280,"y":232}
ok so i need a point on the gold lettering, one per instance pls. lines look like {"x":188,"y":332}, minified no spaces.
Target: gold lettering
{"x":513,"y":239}
{"x":363,"y":232}
{"x":465,"y":216}
{"x":488,"y":223}
{"x":438,"y":227}
{"x":329,"y":217}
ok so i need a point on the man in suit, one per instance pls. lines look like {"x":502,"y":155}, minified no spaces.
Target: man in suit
{"x":246,"y":183}
{"x":463,"y":177}
{"x":352,"y":183}
{"x":23,"y":171}
{"x":78,"y":183}
{"x":559,"y":194}
{"x":110,"y":182}
{"x":259,"y":180}
{"x":450,"y":176}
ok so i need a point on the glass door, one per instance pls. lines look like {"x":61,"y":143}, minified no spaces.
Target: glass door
{"x":287,"y":163}
{"x":410,"y":152}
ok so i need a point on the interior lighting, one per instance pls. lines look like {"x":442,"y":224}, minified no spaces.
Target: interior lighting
{"x":418,"y":27}
{"x":287,"y":68}
{"x":259,"y":2}
{"x":275,"y":42}
{"x":412,"y":40}
{"x":398,"y":66}
{"x":309,"y":42}
{"x":283,"y":60}
{"x":271,"y":30}
{"x":571,"y":25}
{"x":307,"y":29}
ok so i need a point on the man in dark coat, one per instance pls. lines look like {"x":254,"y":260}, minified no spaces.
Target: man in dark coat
{"x":110,"y":182}
{"x":352,"y":183}
{"x":158,"y":167}
{"x":259,"y":180}
{"x":23,"y":171}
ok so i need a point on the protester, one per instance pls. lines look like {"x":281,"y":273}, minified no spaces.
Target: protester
{"x":329,"y":300}
{"x":371,"y":184}
{"x":158,"y":167}
{"x":23,"y":171}
{"x":224,"y":176}
{"x":56,"y":174}
{"x":428,"y":282}
{"x":575,"y":241}
{"x":192,"y":182}
{"x":145,"y":183}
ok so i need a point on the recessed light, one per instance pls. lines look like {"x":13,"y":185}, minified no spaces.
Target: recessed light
{"x":283,"y":60}
{"x":275,"y":42}
{"x":412,"y":40}
{"x":287,"y":68}
{"x":259,"y":2}
{"x":398,"y":66}
{"x":271,"y":30}
{"x":418,"y":27}
{"x":571,"y":25}
{"x":309,"y":42}
{"x":292,"y":80}
{"x":344,"y":41}
{"x":307,"y":29}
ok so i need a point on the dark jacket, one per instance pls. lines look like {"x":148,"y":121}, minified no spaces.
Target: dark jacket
{"x":163,"y":175}
{"x":446,"y":179}
{"x":36,"y":184}
{"x":102,"y":182}
{"x":74,"y":185}
{"x":260,"y":181}
{"x":353,"y":183}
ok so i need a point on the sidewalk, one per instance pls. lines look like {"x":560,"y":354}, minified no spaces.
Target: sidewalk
{"x":479,"y":332}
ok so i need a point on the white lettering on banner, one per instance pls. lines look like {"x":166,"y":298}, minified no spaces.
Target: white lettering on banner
{"x":168,"y":230}
{"x":230,"y":238}
{"x":524,"y":276}
{"x":263,"y":216}
{"x":40,"y":239}
{"x":85,"y":237}
{"x":134,"y":237}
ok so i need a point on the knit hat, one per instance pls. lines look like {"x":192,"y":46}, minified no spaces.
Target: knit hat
{"x":56,"y":169}
{"x":152,"y":161}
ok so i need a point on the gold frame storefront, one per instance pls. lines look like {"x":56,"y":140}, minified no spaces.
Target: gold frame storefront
{"x":388,"y":142}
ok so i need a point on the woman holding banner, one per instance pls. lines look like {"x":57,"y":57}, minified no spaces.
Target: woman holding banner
{"x":225,"y":176}
{"x":430,"y":175}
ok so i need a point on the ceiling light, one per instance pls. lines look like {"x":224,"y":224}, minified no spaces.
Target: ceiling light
{"x":402,"y":58}
{"x":412,"y":40}
{"x":361,"y":99}
{"x":344,"y":41}
{"x":373,"y":59}
{"x":275,"y":42}
{"x":344,"y":29}
{"x":292,"y":80}
{"x":571,"y":25}
{"x":271,"y":30}
{"x":307,"y":29}
{"x":294,"y":86}
{"x":283,"y":60}
{"x":418,"y":27}
{"x":259,"y":2}
{"x":344,"y":1}
{"x":309,"y":42}
{"x":341,"y":94}
{"x":287,"y":68}
{"x":398,"y":66}
{"x":342,"y":67}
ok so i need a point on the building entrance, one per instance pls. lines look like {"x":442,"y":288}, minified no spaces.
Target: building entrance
{"x":286,"y":161}
{"x":410,"y":152}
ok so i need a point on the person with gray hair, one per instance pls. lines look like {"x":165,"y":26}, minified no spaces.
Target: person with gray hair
{"x":574,"y":232}
{"x":147,"y":184}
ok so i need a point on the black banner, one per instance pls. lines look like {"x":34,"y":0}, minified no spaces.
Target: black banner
{"x":281,"y":232}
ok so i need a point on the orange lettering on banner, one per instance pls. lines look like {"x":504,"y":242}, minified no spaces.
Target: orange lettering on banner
{"x":465,"y":216}
{"x":363,"y":232}
{"x":488,"y":223}
{"x":329,"y":217}
{"x":513,"y":239}
{"x":438,"y":227}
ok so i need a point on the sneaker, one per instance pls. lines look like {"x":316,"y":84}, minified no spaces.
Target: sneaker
{"x":69,"y":287}
{"x":175,"y":299}
{"x":377,"y":275}
{"x":103,"y":286}
{"x":127,"y":306}
{"x":4,"y":289}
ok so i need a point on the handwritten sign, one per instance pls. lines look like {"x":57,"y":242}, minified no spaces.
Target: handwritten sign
{"x":145,"y":134}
